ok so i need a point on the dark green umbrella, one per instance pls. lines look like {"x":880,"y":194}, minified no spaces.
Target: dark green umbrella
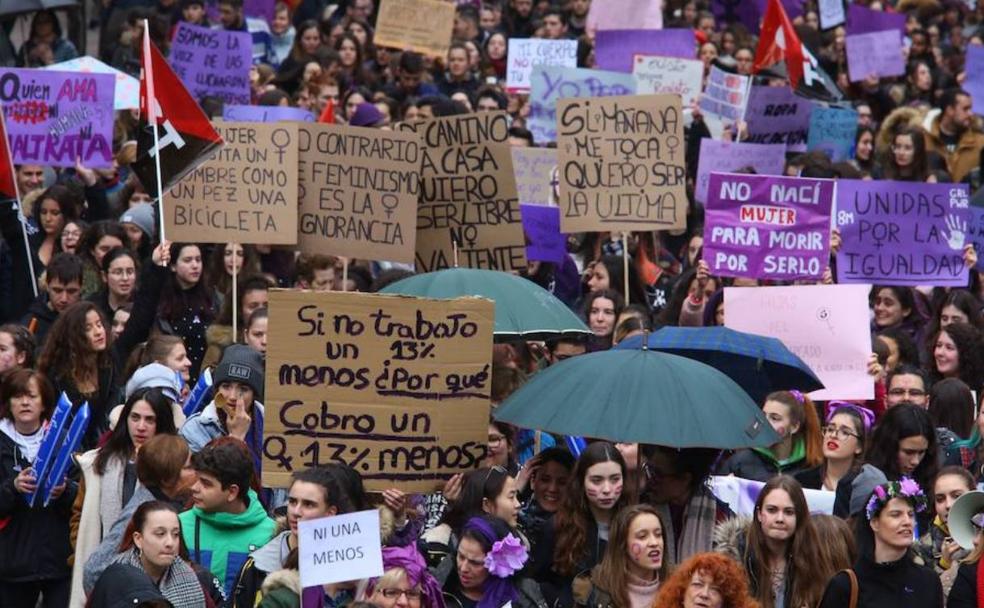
{"x":640,"y":396}
{"x":523,"y":309}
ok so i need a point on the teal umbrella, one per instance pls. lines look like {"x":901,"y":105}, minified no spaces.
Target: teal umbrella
{"x":640,"y":396}
{"x":523,"y":309}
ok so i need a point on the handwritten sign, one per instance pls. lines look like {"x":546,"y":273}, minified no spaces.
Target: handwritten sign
{"x":861,"y":20}
{"x":726,"y":95}
{"x":832,"y":130}
{"x":825,"y":325}
{"x":468,"y":213}
{"x":775,"y":115}
{"x":550,"y":83}
{"x":974,"y":84}
{"x":358,"y":192}
{"x":127,"y":93}
{"x":395,"y":387}
{"x":423,"y":26}
{"x":246,"y":193}
{"x":766,"y":227}
{"x":243,"y":113}
{"x":875,"y":54}
{"x":831,"y":13}
{"x":340,"y":548}
{"x":726,"y":156}
{"x":213,"y":62}
{"x":683,"y":77}
{"x":55,"y":117}
{"x":542,"y":227}
{"x":625,"y":15}
{"x":524,"y":53}
{"x":536,"y":175}
{"x":615,"y":49}
{"x":902,"y":233}
{"x":750,"y":12}
{"x":622,"y":164}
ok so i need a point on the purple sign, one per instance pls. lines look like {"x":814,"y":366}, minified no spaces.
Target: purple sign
{"x":615,"y":50}
{"x":726,"y":156}
{"x":975,"y":232}
{"x":241,"y":113}
{"x":55,"y":117}
{"x":750,"y":12}
{"x":902,"y":233}
{"x":262,"y":9}
{"x":544,"y":241}
{"x":862,"y":20}
{"x":776,"y":115}
{"x":213,"y":62}
{"x":766,"y":227}
{"x":875,"y":54}
{"x":974,"y":84}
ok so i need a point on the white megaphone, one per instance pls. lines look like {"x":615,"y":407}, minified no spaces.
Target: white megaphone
{"x":961,"y":513}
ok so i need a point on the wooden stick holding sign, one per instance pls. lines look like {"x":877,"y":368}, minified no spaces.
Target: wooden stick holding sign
{"x":235,"y":295}
{"x":625,"y":264}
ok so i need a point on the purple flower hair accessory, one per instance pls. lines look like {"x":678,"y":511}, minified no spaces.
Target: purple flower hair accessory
{"x":507,"y":557}
{"x":906,"y":488}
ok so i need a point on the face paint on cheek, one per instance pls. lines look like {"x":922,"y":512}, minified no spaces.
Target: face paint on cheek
{"x":617,"y":490}
{"x":635,"y":550}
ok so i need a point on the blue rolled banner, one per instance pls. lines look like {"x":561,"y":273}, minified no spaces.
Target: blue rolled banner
{"x":56,"y":474}
{"x":47,"y":451}
{"x":200,"y":395}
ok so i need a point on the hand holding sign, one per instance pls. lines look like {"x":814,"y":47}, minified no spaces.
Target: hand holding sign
{"x":25,"y":482}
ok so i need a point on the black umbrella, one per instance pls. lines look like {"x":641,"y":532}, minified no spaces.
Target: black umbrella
{"x":17,"y":7}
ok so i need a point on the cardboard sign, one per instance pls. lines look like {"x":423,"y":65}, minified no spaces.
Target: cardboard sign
{"x":861,"y":20}
{"x":358,"y":192}
{"x":550,"y":83}
{"x":615,"y":49}
{"x":727,"y":156}
{"x":831,"y":13}
{"x":776,"y":115}
{"x":395,"y":387}
{"x":875,"y":54}
{"x":536,"y":175}
{"x":655,"y":74}
{"x":423,"y":26}
{"x":625,"y":15}
{"x":468,"y":213}
{"x":55,"y":117}
{"x":542,"y":227}
{"x":524,"y":53}
{"x":242,"y":113}
{"x":726,"y":95}
{"x":974,"y":84}
{"x":246,"y":193}
{"x":621,"y":164}
{"x":766,"y":227}
{"x":213,"y":62}
{"x":340,"y":548}
{"x":825,"y":325}
{"x":832,"y":130}
{"x":902,"y":233}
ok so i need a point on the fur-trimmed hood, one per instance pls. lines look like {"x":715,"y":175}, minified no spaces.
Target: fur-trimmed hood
{"x":898,"y":117}
{"x":730,"y":537}
{"x":282,"y":579}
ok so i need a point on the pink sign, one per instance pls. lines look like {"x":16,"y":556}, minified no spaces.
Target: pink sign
{"x":625,"y":15}
{"x":825,"y":325}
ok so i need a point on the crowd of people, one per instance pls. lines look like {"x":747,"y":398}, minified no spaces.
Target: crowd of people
{"x":166,"y":506}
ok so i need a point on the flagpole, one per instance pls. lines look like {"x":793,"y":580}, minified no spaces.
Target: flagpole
{"x":20,"y":209}
{"x":152,"y":116}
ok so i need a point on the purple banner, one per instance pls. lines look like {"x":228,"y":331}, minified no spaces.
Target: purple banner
{"x":776,"y":115}
{"x":862,"y":20}
{"x":902,"y":233}
{"x":53,"y":117}
{"x":615,"y":50}
{"x":875,"y":54}
{"x":750,"y":12}
{"x":213,"y":62}
{"x":974,"y":84}
{"x":727,"y":156}
{"x":766,"y":227}
{"x":975,"y":233}
{"x":544,"y":241}
{"x":251,"y":8}
{"x":240,"y":113}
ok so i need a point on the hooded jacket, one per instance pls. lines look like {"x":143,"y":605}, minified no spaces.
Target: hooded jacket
{"x":759,"y":464}
{"x":123,"y":586}
{"x":221,"y":542}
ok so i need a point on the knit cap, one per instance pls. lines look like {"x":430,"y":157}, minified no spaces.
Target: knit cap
{"x":240,"y":363}
{"x":142,"y":215}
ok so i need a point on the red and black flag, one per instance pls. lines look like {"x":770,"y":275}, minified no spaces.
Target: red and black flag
{"x":8,"y":183}
{"x":186,"y":138}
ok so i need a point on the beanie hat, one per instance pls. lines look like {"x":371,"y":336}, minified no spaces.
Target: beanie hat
{"x":863,"y":485}
{"x":141,"y":214}
{"x":240,"y":363}
{"x":366,"y":115}
{"x":155,"y":375}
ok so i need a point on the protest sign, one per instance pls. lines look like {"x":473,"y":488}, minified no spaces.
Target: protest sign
{"x":524,"y":53}
{"x":615,"y":49}
{"x":55,"y":117}
{"x":550,"y":83}
{"x":536,"y":175}
{"x":902,"y":233}
{"x":776,"y":115}
{"x":126,"y":95}
{"x":831,"y":13}
{"x":765,"y":227}
{"x":423,"y":26}
{"x":718,"y":156}
{"x":861,"y":20}
{"x":242,"y":113}
{"x":875,"y":54}
{"x":725,"y":96}
{"x":832,"y":130}
{"x":741,"y":494}
{"x":212,"y":63}
{"x":655,"y":74}
{"x":974,"y":84}
{"x":246,"y":193}
{"x":621,"y":164}
{"x":975,"y":233}
{"x":824,"y":325}
{"x":340,"y":548}
{"x":358,"y":191}
{"x":395,"y":387}
{"x":625,"y":15}
{"x":468,"y":213}
{"x":542,"y":228}
{"x":750,"y":12}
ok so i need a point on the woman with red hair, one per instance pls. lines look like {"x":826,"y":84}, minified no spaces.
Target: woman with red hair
{"x":709,"y":580}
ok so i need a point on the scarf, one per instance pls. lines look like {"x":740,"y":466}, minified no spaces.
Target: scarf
{"x":410,"y":560}
{"x":28,"y":444}
{"x":642,"y":593}
{"x":699,"y":520}
{"x":179,"y":584}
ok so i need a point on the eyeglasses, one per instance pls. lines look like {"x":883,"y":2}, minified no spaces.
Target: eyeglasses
{"x":839,"y":432}
{"x":911,"y":392}
{"x":123,"y":272}
{"x":495,"y":468}
{"x":71,"y":233}
{"x":413,"y":595}
{"x":496,"y":439}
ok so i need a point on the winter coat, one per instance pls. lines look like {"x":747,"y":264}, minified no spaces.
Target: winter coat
{"x":965,"y":157}
{"x":218,"y":337}
{"x":528,"y":593}
{"x":731,"y":539}
{"x":257,"y":567}
{"x":39,"y":319}
{"x":891,"y":585}
{"x":964,"y":591}
{"x":557,"y":587}
{"x":205,"y":425}
{"x":589,"y":595}
{"x":759,"y":464}
{"x":123,"y":586}
{"x":282,"y":589}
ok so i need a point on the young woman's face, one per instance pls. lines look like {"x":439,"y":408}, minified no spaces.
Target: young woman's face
{"x":866,"y":144}
{"x":598,"y":278}
{"x":603,"y":485}
{"x":95,"y":333}
{"x":177,"y":360}
{"x":911,"y":452}
{"x":496,"y":47}
{"x":498,"y":448}
{"x":840,"y":438}
{"x":280,"y":23}
{"x":548,"y":485}
{"x":472,"y":572}
{"x":895,"y":523}
{"x":193,"y":13}
{"x":352,"y":103}
{"x":780,"y":418}
{"x":601,"y":317}
{"x":104,"y":246}
{"x":70,"y":236}
{"x":26,"y":409}
{"x":305,"y":501}
{"x":946,"y":356}
{"x":348,"y":53}
{"x":922,"y":78}
{"x":141,"y":423}
{"x":646,"y":542}
{"x":159,"y":540}
{"x":888,"y":309}
{"x":952,"y":314}
{"x":232,"y":258}
{"x":708,"y":53}
{"x":51,"y":220}
{"x":310,"y":40}
{"x":188,"y":266}
{"x":122,"y":276}
{"x":359,"y":32}
{"x":256,"y":298}
{"x":134,"y":234}
{"x":10,"y":357}
{"x":256,"y":335}
{"x":946,"y":491}
{"x":893,"y":352}
{"x":120,"y":317}
{"x":777,"y":517}
{"x":506,"y":504}
{"x":458,"y":62}
{"x":904,"y":150}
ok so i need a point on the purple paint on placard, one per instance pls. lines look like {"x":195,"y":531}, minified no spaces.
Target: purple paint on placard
{"x":902,"y":233}
{"x":615,"y":50}
{"x":545,"y":243}
{"x":862,"y":20}
{"x":213,"y":62}
{"x":54,"y":117}
{"x":775,"y":115}
{"x":766,"y":227}
{"x":975,"y":232}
